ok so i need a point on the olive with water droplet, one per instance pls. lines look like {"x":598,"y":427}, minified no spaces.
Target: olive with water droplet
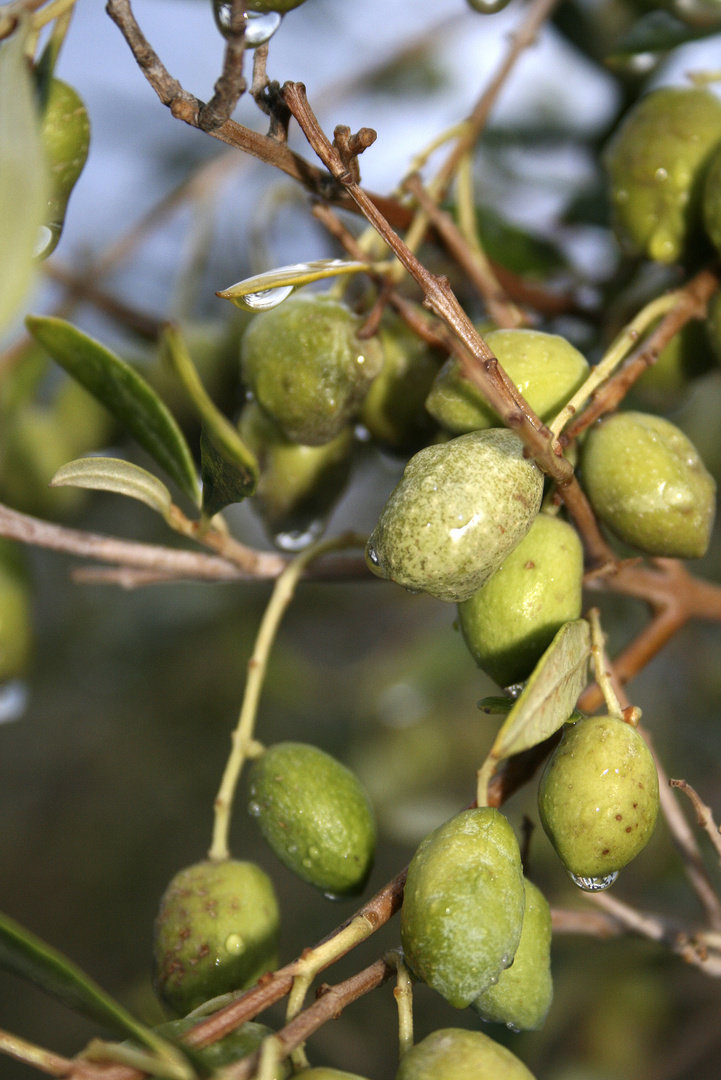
{"x":15,"y":620}
{"x":65,"y":135}
{"x":307,"y":368}
{"x":216,"y":931}
{"x":315,"y":815}
{"x":298,"y":485}
{"x":457,"y":1054}
{"x":459,"y":510}
{"x":646,"y":481}
{"x":598,"y":796}
{"x":656,"y":163}
{"x":523,"y":994}
{"x":463,"y":905}
{"x":512,"y":619}
{"x":546,"y":369}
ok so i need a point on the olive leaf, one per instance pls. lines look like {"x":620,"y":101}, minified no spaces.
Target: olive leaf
{"x":550,"y":695}
{"x":116,"y":475}
{"x":23,"y":179}
{"x":118,"y":387}
{"x":229,"y":469}
{"x":264,"y":291}
{"x":656,"y":33}
{"x":27,"y":955}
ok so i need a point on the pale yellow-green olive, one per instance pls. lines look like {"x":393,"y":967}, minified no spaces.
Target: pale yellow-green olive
{"x":459,"y":510}
{"x":656,"y":163}
{"x":546,"y":369}
{"x":216,"y":931}
{"x":523,"y":994}
{"x":712,"y":199}
{"x":457,"y":1054}
{"x":15,"y":618}
{"x":463,"y":905}
{"x":646,"y":481}
{"x":65,"y":135}
{"x":598,"y":796}
{"x":513,"y":618}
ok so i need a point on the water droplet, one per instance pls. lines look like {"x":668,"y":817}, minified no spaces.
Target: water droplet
{"x":307,"y":863}
{"x":234,"y":943}
{"x":13,"y":701}
{"x":266,"y":299}
{"x":333,"y":896}
{"x":413,"y":592}
{"x":298,"y":539}
{"x":372,"y":555}
{"x":514,"y":691}
{"x":512,"y":1027}
{"x":259,"y":26}
{"x":254,"y":809}
{"x":314,"y":852}
{"x":660,"y":175}
{"x":594,"y":884}
{"x":488,"y":7}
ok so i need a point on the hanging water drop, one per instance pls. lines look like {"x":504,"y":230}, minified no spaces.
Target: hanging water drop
{"x":259,"y":26}
{"x":514,"y":691}
{"x":594,"y":884}
{"x":298,"y":539}
{"x":372,"y":555}
{"x":266,"y":299}
{"x":488,"y":7}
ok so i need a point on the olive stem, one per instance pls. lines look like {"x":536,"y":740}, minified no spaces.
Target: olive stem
{"x":403,"y":993}
{"x":102,"y":1052}
{"x":21,"y":1050}
{"x":315,"y":960}
{"x":242,"y":737}
{"x":603,"y":676}
{"x":271,"y":1055}
{"x":484,"y":774}
{"x":620,"y":348}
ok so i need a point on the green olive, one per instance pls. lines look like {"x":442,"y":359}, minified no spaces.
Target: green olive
{"x":216,"y":931}
{"x":647,"y":482}
{"x":33,"y":446}
{"x":546,"y":369}
{"x":306,"y":367}
{"x":459,"y":510}
{"x":298,"y":485}
{"x":322,"y":1073}
{"x":513,"y":618}
{"x":240,"y":1043}
{"x":65,"y":135}
{"x":712,"y":199}
{"x":315,"y":815}
{"x":522,"y":996}
{"x":463,"y":905}
{"x":456,"y":1054}
{"x":656,"y":163}
{"x":15,"y":618}
{"x":598,"y":796}
{"x":688,"y":355}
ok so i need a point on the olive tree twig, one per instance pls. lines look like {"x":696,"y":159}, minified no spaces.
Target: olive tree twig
{"x":704,"y":815}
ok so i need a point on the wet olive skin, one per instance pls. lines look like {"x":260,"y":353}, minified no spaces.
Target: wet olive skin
{"x":457,"y":1054}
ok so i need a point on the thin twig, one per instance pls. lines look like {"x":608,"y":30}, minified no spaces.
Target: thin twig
{"x":231,"y":84}
{"x":704,"y":815}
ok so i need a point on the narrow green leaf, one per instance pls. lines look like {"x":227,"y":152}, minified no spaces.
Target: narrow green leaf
{"x":27,"y":955}
{"x":495,"y":706}
{"x":23,"y":175}
{"x":264,"y":291}
{"x":550,"y":695}
{"x":114,"y":474}
{"x":125,"y":393}
{"x":229,"y":469}
{"x":656,"y":33}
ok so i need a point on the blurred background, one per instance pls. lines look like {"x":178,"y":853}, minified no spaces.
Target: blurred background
{"x":110,"y":763}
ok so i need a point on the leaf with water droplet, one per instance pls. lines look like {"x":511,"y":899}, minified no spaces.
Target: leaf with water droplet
{"x":116,"y":475}
{"x":28,"y":956}
{"x":122,"y":391}
{"x":551,"y":693}
{"x":265,"y":291}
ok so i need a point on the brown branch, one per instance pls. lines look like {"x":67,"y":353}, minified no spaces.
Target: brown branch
{"x":692,"y":303}
{"x":593,"y":923}
{"x":231,"y":84}
{"x":704,"y":816}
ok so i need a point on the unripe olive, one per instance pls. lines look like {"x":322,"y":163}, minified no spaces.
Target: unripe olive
{"x":65,"y":135}
{"x":513,"y":618}
{"x":298,"y":485}
{"x":33,"y":446}
{"x":460,"y":508}
{"x":546,"y":368}
{"x":522,"y":996}
{"x":315,"y":815}
{"x":712,"y":199}
{"x":322,"y":1073}
{"x":306,"y":367}
{"x":394,"y":410}
{"x":598,"y":796}
{"x":687,"y":355}
{"x":240,"y":1043}
{"x":463,"y":905}
{"x":457,"y":1054}
{"x":216,"y":931}
{"x":656,"y":163}
{"x":15,"y":621}
{"x":647,"y":482}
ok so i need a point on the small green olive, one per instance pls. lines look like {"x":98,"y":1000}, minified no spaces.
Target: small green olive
{"x":688,"y":355}
{"x":546,"y":369}
{"x":463,"y":905}
{"x":216,"y":931}
{"x":513,"y":618}
{"x":15,"y":619}
{"x":394,"y":410}
{"x":598,"y":796}
{"x":457,"y":1054}
{"x":646,"y":481}
{"x":712,"y":199}
{"x":459,"y":510}
{"x":239,"y":1044}
{"x":656,"y":162}
{"x":322,"y":1073}
{"x":306,"y":367}
{"x":522,"y":996}
{"x":298,"y":485}
{"x":65,"y":135}
{"x":33,"y":446}
{"x":315,"y":815}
